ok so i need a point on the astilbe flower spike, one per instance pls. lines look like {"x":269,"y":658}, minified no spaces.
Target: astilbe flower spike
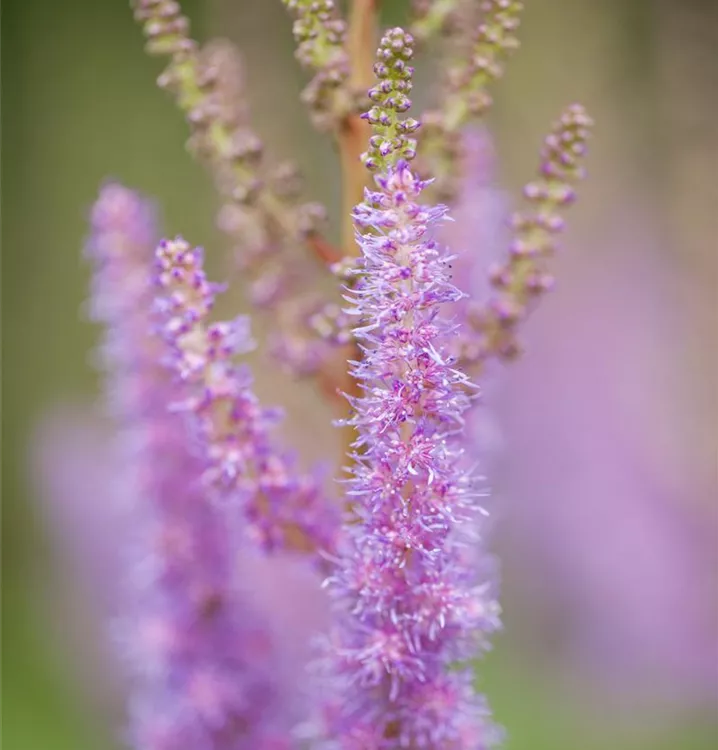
{"x":408,"y":606}
{"x":201,"y":659}
{"x":283,"y":509}
{"x":476,"y":51}
{"x":523,"y":278}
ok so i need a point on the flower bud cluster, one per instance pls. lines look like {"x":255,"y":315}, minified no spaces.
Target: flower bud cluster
{"x":523,"y":277}
{"x":283,"y":509}
{"x":202,"y":661}
{"x":471,"y":70}
{"x":166,"y":28}
{"x":390,"y":99}
{"x":320,"y":34}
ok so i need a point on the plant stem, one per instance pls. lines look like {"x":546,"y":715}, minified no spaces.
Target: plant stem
{"x":355,"y":132}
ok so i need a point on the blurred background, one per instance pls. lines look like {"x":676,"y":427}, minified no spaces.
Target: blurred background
{"x":603,"y":436}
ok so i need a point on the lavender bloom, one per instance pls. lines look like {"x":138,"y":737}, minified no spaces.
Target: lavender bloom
{"x":284,"y":509}
{"x":201,"y":659}
{"x":406,"y":604}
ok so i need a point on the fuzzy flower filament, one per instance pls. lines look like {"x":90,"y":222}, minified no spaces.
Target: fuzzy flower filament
{"x":407,"y":604}
{"x":285,"y":510}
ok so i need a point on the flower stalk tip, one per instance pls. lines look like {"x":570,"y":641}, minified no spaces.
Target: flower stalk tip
{"x":390,"y":99}
{"x":476,"y":53}
{"x":524,"y":277}
{"x":320,"y":33}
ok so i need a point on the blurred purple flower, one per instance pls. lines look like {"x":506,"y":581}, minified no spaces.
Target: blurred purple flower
{"x":605,"y":517}
{"x":204,"y":659}
{"x":74,"y":468}
{"x":479,"y":233}
{"x":92,"y":521}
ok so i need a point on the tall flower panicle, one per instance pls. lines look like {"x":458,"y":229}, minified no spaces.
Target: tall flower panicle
{"x":285,"y":510}
{"x":476,"y":51}
{"x":410,"y":609}
{"x":523,"y":278}
{"x":201,"y":661}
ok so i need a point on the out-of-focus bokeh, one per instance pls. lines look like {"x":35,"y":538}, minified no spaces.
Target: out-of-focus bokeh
{"x":604,"y":447}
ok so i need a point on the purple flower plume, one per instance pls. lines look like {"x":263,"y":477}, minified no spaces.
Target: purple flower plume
{"x":285,"y":510}
{"x":201,"y":658}
{"x":408,"y":602}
